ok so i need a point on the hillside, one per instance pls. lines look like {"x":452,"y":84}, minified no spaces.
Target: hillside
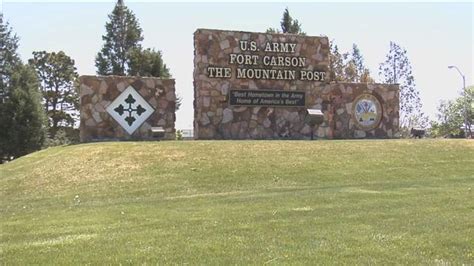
{"x":240,"y":202}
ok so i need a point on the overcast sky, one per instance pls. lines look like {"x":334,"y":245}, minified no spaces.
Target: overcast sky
{"x":435,"y":35}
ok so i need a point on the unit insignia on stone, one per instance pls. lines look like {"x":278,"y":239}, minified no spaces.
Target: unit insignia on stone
{"x":367,"y":111}
{"x":130,"y":110}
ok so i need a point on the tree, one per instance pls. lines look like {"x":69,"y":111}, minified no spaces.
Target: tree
{"x":288,"y":25}
{"x":350,"y":71}
{"x":123,"y":34}
{"x":147,"y":63}
{"x":396,"y":69}
{"x":467,"y":102}
{"x":347,"y":67}
{"x":354,"y":67}
{"x":122,"y":53}
{"x":22,"y":124}
{"x":358,"y":60}
{"x":57,"y":75}
{"x":450,"y":118}
{"x":365,"y":76}
{"x":336,"y":63}
{"x":9,"y":58}
{"x":22,"y":119}
{"x":179,"y":134}
{"x":361,"y":72}
{"x":178,"y":103}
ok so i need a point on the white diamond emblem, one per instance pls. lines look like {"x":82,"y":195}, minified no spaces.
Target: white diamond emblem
{"x":130,"y":110}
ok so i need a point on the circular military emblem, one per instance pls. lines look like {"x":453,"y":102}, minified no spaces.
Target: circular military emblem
{"x":367,"y":111}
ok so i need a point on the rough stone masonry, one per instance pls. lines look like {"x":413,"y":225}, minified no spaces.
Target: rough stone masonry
{"x":126,"y":108}
{"x":251,"y":85}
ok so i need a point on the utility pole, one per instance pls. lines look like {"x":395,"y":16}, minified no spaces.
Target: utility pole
{"x":466,"y":130}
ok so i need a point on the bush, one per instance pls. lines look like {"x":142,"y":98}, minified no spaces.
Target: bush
{"x":179,"y":134}
{"x":63,"y":136}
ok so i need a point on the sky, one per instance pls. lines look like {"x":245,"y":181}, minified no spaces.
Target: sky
{"x":435,"y":35}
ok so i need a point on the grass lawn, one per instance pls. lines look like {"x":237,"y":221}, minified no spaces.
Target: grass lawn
{"x":241,"y":202}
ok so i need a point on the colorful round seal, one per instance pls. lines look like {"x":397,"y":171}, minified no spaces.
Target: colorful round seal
{"x":367,"y":111}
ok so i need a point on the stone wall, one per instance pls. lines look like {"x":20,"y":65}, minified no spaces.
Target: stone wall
{"x":216,"y":118}
{"x":125,"y":108}
{"x":337,"y":102}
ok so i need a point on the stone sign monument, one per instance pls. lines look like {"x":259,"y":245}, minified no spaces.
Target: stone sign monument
{"x":126,"y":108}
{"x":251,"y":85}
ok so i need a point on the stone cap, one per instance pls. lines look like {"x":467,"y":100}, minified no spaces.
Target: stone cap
{"x":124,"y":77}
{"x":395,"y":86}
{"x":250,"y":32}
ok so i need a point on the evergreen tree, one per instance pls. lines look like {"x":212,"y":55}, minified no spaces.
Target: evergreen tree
{"x":396,"y":69}
{"x":22,"y":124}
{"x":288,"y":25}
{"x":57,"y":75}
{"x":358,"y":60}
{"x":22,"y":119}
{"x":286,"y":22}
{"x":350,"y":70}
{"x":122,"y":53}
{"x":179,"y":101}
{"x":336,"y":63}
{"x":9,"y":58}
{"x":147,"y":63}
{"x":347,"y":67}
{"x":123,"y":34}
{"x":365,"y":76}
{"x":356,"y":70}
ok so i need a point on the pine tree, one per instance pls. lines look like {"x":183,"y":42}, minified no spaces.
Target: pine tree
{"x":350,"y":72}
{"x":288,"y":25}
{"x":22,"y":119}
{"x":123,"y":34}
{"x":347,"y":67}
{"x":358,"y":61}
{"x":9,"y":58}
{"x":365,"y":77}
{"x":396,"y":69}
{"x":57,"y":75}
{"x":356,"y":70}
{"x":286,"y":22}
{"x":147,"y":63}
{"x":336,"y":63}
{"x":122,"y":53}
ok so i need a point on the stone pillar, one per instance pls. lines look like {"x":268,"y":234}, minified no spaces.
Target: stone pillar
{"x":228,"y":64}
{"x":126,"y":108}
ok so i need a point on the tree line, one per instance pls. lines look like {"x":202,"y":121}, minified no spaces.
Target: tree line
{"x":395,"y":69}
{"x":39,"y":100}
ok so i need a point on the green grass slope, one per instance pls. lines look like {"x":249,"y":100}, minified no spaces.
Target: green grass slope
{"x":240,"y":202}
